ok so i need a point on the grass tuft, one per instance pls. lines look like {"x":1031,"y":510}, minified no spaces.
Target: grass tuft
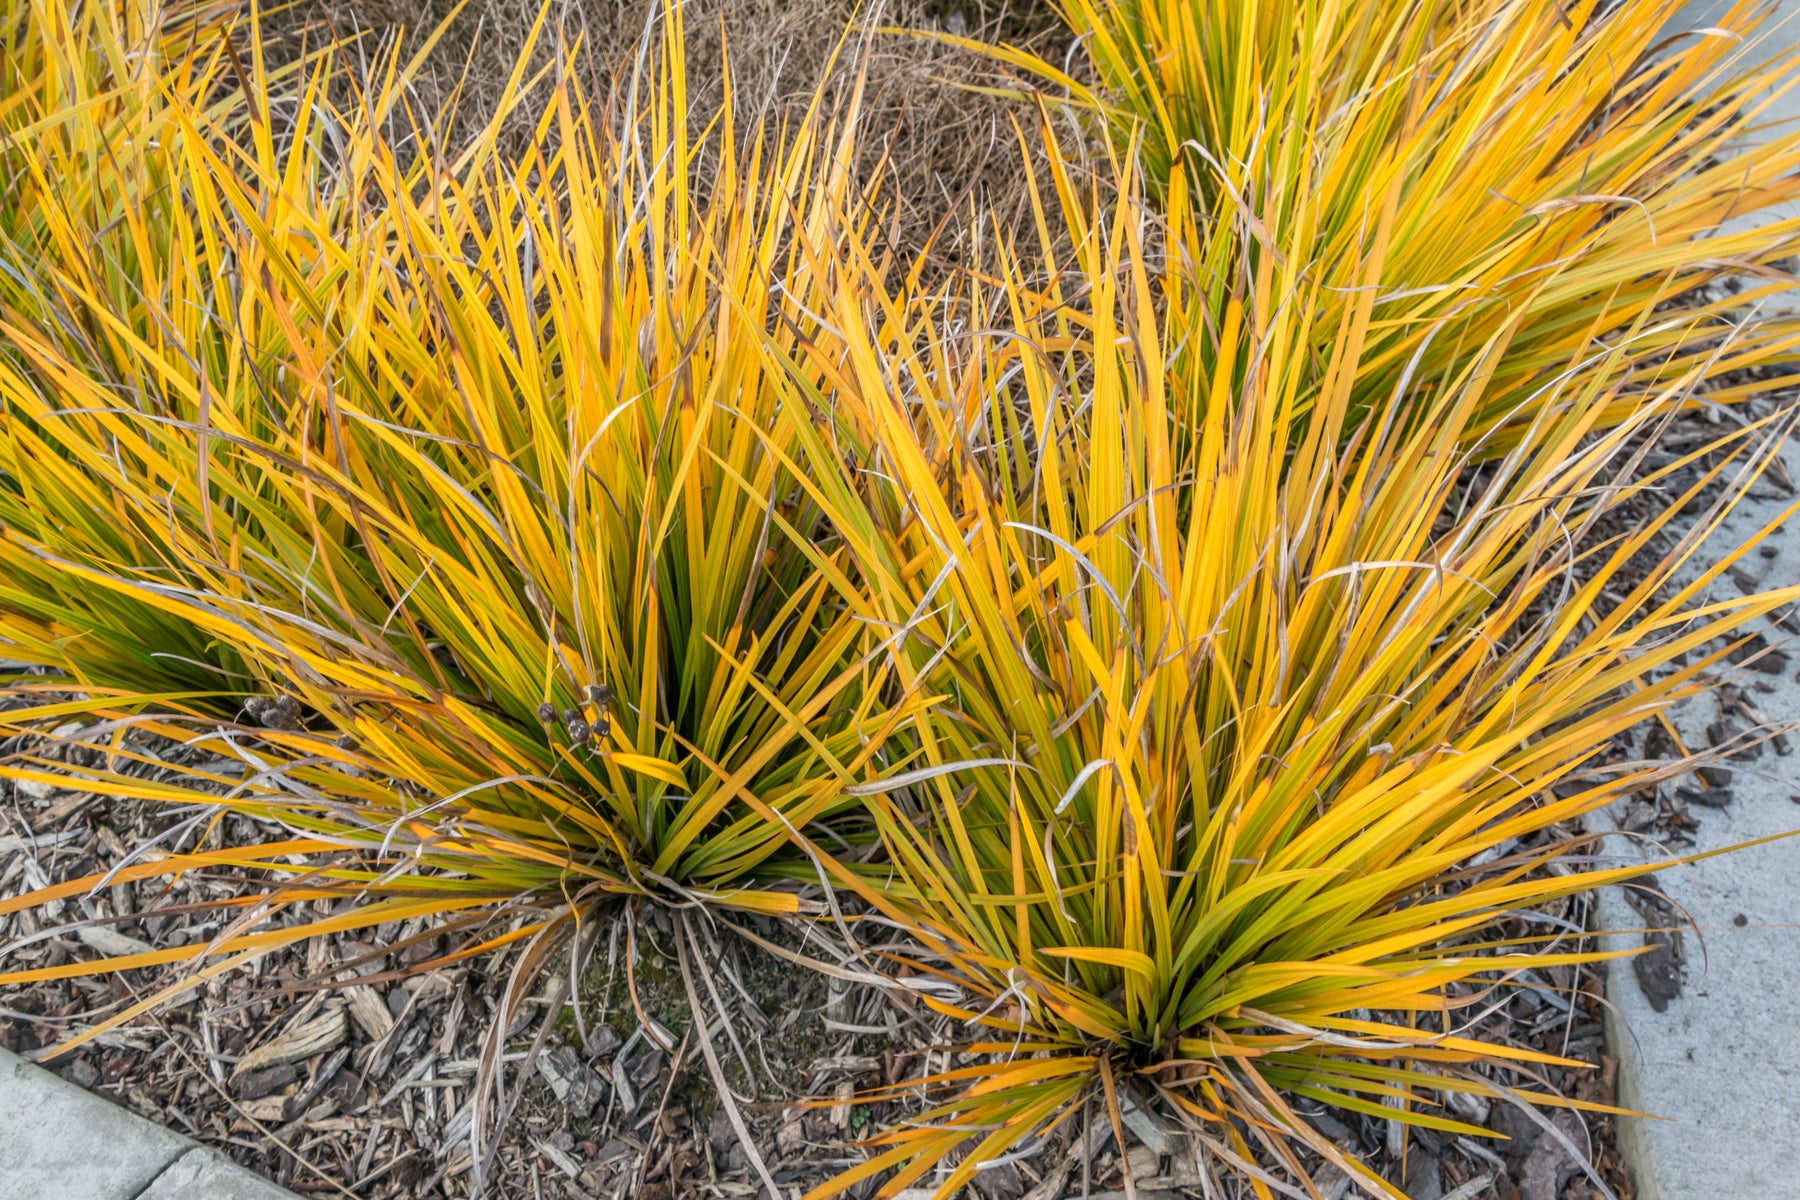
{"x":1450,"y":172}
{"x":1260,"y":723}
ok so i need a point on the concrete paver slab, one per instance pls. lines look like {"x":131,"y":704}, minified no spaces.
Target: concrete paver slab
{"x":1722,"y":1062}
{"x":57,"y":1141}
{"x":203,"y":1174}
{"x":1778,"y":36}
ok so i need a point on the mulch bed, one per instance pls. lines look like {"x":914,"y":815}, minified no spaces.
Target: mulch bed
{"x":365,"y":1089}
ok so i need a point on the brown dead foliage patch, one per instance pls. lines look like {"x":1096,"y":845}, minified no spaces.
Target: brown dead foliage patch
{"x":949,"y":160}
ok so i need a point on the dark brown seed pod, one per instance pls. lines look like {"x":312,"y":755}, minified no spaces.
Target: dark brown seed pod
{"x":255,"y":706}
{"x":571,"y":716}
{"x":578,"y":732}
{"x":287,"y":706}
{"x":600,"y":694}
{"x":546,"y":712}
{"x":603,"y":726}
{"x":345,"y":742}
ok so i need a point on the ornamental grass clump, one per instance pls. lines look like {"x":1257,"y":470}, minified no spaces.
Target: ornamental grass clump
{"x":1197,"y":654}
{"x":1260,"y":728}
{"x":1550,"y":169}
{"x":438,"y":507}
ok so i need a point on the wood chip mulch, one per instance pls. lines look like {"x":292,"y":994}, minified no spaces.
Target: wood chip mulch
{"x":365,"y":1090}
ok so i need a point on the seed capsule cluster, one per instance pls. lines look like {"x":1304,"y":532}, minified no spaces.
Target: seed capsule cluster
{"x":575,"y":722}
{"x":280,"y":712}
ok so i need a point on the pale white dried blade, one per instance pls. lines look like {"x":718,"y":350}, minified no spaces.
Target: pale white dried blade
{"x":111,"y":941}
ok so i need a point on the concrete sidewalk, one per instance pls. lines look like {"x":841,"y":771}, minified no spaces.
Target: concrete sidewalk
{"x":1719,"y":1063}
{"x":58,"y":1142}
